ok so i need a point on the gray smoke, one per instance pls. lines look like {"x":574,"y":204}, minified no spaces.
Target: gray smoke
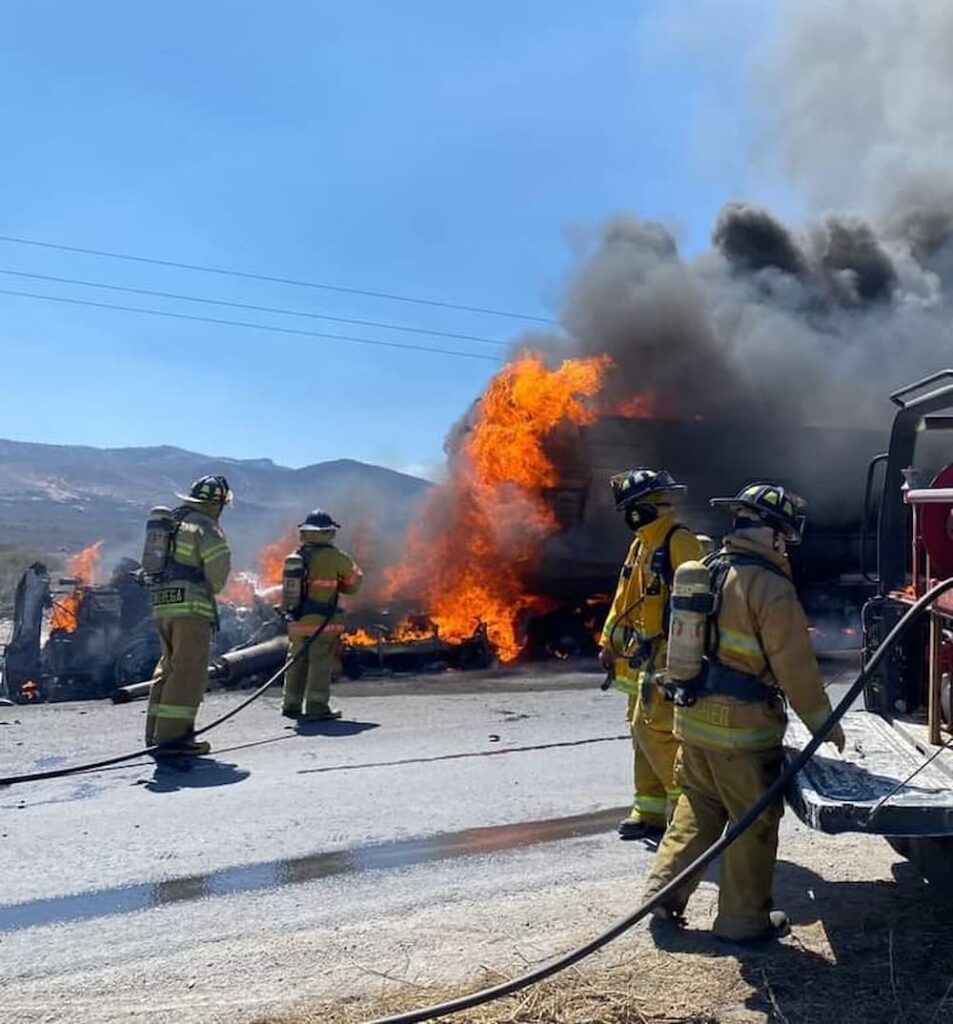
{"x":857,"y":95}
{"x":818,"y":323}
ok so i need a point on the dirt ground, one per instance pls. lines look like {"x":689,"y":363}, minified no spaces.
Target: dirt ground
{"x":881,"y":951}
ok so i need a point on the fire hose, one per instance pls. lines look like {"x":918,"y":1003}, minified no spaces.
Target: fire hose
{"x":774,"y":793}
{"x":78,"y":769}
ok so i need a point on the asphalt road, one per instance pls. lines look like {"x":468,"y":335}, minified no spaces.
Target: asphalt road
{"x":437,"y":826}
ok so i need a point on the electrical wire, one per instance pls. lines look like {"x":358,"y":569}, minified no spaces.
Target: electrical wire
{"x":181,"y":297}
{"x":247,"y":275}
{"x":771,"y":796}
{"x":252,"y":326}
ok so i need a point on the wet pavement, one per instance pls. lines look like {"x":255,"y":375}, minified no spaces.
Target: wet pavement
{"x":296,"y":871}
{"x":426,"y":820}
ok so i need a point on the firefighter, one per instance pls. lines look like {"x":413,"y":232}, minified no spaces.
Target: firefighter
{"x":196,"y":567}
{"x":634,"y":638}
{"x":323,"y":572}
{"x":759,"y":658}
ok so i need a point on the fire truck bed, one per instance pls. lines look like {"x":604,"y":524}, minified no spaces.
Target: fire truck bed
{"x":836,"y":793}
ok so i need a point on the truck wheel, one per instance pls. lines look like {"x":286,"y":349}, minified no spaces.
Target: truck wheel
{"x":932,"y":856}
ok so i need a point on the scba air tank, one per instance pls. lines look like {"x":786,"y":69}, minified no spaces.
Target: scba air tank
{"x":160,"y":530}
{"x":292,"y":583}
{"x":692,"y":605}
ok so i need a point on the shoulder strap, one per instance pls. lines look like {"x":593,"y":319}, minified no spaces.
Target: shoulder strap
{"x":667,"y":570}
{"x":759,"y":561}
{"x":718,"y":565}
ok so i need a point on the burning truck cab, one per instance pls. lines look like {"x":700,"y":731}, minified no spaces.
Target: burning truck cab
{"x":713,"y":458}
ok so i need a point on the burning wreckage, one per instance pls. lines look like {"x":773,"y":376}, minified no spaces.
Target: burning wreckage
{"x":530,"y":577}
{"x":75,"y":638}
{"x":753,"y":360}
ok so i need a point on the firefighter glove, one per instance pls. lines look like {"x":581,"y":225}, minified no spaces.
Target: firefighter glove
{"x":836,"y":736}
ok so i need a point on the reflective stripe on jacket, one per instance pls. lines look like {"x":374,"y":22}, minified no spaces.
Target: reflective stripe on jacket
{"x":763,"y":631}
{"x":638,"y":616}
{"x":329,"y":570}
{"x":199,"y":545}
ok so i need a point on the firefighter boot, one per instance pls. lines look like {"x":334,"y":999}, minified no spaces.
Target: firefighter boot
{"x":778,"y":926}
{"x":180,"y":750}
{"x":633,"y":828}
{"x":331,"y":715}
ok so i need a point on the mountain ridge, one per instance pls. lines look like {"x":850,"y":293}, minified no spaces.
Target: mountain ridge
{"x":60,"y":497}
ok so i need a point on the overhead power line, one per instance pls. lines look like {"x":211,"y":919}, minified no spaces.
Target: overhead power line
{"x":249,"y":306}
{"x":247,"y":324}
{"x":247,"y":275}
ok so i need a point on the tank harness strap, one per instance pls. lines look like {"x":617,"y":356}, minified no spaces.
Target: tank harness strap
{"x":309,"y":606}
{"x":663,"y":569}
{"x":717,"y":677}
{"x":725,"y":681}
{"x":175,"y":571}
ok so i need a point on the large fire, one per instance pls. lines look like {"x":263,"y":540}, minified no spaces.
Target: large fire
{"x":82,"y":568}
{"x":467,"y":553}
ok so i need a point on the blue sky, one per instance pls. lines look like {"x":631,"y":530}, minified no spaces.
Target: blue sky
{"x":421,"y":147}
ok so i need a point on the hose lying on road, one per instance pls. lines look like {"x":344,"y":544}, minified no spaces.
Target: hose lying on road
{"x":106,"y":762}
{"x":776,"y":792}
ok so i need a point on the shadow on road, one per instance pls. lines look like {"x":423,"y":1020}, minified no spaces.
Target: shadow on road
{"x":202,"y":773}
{"x":333,"y":727}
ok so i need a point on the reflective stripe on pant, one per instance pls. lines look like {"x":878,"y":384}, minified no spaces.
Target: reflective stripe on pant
{"x":656,"y":791}
{"x":183,"y":677}
{"x":718,"y":787}
{"x":308,"y":680}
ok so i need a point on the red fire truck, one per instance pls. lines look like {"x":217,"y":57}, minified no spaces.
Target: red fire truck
{"x":896,"y":776}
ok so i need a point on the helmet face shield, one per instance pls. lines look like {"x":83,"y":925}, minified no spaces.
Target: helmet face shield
{"x":642,"y":486}
{"x":782,"y":510}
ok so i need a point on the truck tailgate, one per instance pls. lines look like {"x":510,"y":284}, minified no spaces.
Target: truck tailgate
{"x":836,"y":793}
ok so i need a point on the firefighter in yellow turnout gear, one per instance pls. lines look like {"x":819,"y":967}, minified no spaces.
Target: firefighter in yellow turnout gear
{"x":314,"y":576}
{"x":634,"y":638}
{"x":195,"y":567}
{"x":731,"y":717}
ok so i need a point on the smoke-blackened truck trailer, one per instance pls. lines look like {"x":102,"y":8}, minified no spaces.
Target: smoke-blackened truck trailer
{"x":714,"y":458}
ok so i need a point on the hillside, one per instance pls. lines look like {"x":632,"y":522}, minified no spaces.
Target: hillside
{"x":64,"y":497}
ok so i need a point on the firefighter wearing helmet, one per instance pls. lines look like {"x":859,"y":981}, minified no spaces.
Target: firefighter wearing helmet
{"x":754,"y":658}
{"x":314,"y":577}
{"x":187,"y":560}
{"x":634,"y":638}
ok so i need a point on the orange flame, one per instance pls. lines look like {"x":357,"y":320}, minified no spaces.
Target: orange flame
{"x":405,"y":633}
{"x":271,"y":559}
{"x":83,"y":568}
{"x":243,"y":587}
{"x":638,"y":407}
{"x":240,"y":590}
{"x":478,"y":533}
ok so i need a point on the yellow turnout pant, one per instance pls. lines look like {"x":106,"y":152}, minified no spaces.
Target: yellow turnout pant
{"x":718,"y":787}
{"x":175,"y":696}
{"x":654,"y":750}
{"x":308,"y":681}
